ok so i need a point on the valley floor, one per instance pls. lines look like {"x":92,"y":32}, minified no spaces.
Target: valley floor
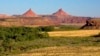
{"x":78,"y":33}
{"x":64,"y":51}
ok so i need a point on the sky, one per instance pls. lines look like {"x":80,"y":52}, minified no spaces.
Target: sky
{"x":89,"y":8}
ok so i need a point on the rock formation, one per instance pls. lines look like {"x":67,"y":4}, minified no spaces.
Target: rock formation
{"x":29,"y":13}
{"x":92,"y":24}
{"x":60,"y":13}
{"x":31,"y":18}
{"x":65,"y":18}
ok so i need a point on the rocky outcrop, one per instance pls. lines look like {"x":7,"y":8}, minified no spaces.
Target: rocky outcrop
{"x":92,"y":24}
{"x":60,"y":13}
{"x":29,"y":13}
{"x":64,"y":18}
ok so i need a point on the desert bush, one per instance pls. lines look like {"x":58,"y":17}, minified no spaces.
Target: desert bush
{"x":46,"y":28}
{"x":11,"y":37}
{"x":20,"y":33}
{"x":57,"y":28}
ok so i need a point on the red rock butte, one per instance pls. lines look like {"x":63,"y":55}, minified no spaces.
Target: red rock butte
{"x":29,"y":13}
{"x":60,"y":12}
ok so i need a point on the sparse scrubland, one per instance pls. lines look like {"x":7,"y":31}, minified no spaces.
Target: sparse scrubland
{"x":26,"y":41}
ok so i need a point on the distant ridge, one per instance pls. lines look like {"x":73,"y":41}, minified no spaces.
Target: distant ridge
{"x":29,"y":13}
{"x":60,"y":13}
{"x":4,"y":16}
{"x":30,"y":18}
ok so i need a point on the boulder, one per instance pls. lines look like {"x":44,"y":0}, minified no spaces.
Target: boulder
{"x":92,"y":24}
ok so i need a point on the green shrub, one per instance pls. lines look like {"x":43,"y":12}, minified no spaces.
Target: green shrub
{"x":11,"y":37}
{"x":20,"y":33}
{"x":46,"y":28}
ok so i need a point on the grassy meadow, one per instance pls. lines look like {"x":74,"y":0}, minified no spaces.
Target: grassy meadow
{"x":64,"y":51}
{"x":85,"y":46}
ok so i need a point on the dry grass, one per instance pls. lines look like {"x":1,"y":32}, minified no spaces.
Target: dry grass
{"x":67,"y":50}
{"x":64,"y":51}
{"x":78,"y":33}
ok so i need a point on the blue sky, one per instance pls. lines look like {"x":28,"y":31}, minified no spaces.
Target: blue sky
{"x":73,"y":7}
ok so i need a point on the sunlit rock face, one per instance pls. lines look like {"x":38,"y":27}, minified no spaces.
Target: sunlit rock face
{"x":92,"y":24}
{"x":61,"y":13}
{"x":29,"y":13}
{"x":31,"y":18}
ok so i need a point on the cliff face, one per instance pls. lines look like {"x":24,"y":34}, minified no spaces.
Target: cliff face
{"x":92,"y":24}
{"x":72,"y":19}
{"x":42,"y":21}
